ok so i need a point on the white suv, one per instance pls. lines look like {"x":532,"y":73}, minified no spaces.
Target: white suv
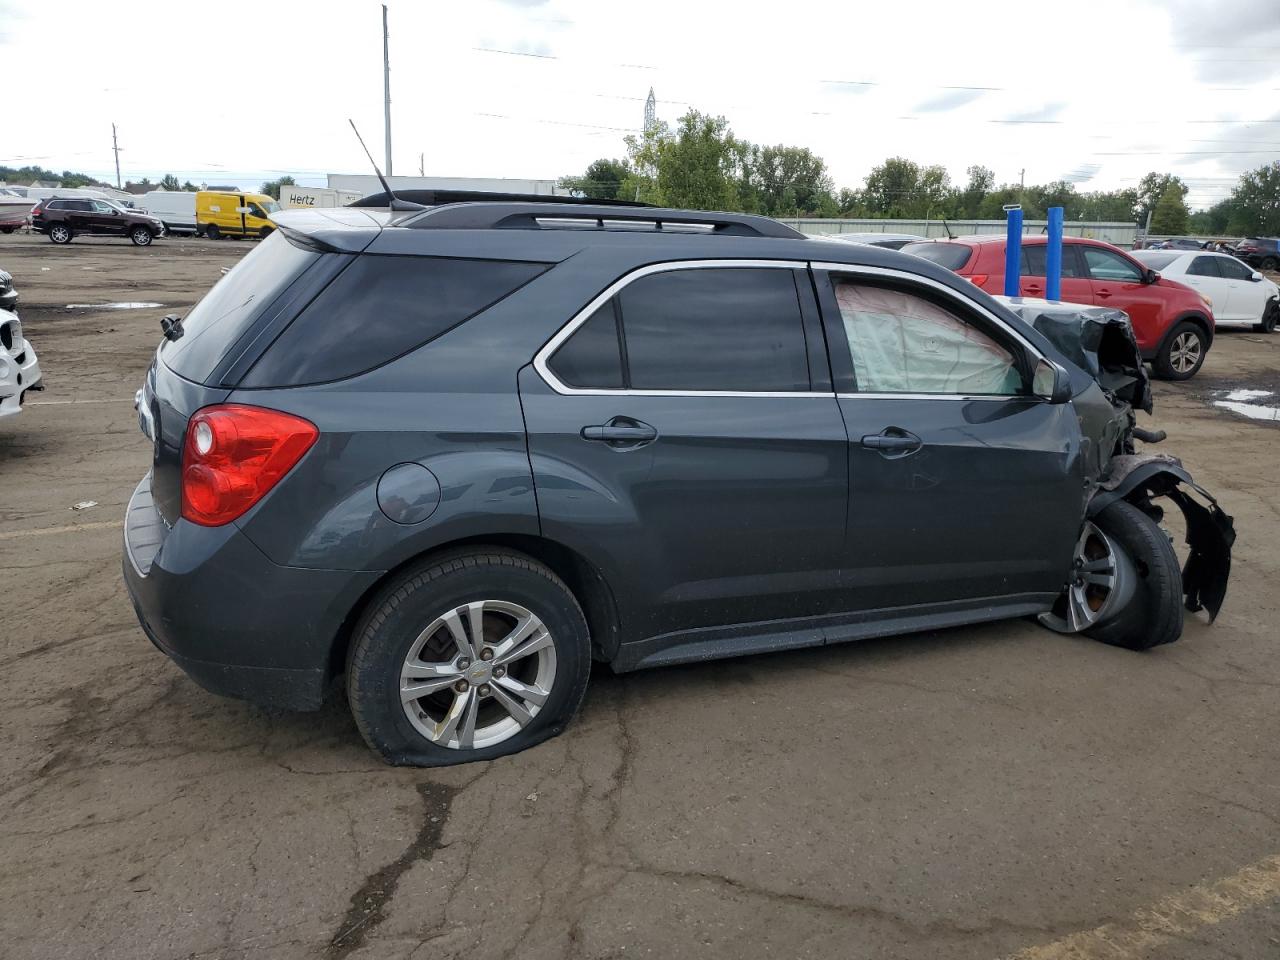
{"x":19,"y":368}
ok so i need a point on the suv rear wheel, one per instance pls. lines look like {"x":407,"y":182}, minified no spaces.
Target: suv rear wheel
{"x":60,"y":233}
{"x":1183,"y":352}
{"x":141,"y":236}
{"x":470,"y":656}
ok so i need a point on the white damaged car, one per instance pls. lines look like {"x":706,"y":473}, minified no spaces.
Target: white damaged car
{"x":19,"y":368}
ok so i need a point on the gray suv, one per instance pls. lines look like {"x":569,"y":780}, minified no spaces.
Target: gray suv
{"x":447,"y":457}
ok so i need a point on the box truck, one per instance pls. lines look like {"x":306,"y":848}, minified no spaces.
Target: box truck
{"x":234,"y":214}
{"x":175,"y":208}
{"x":291,"y":196}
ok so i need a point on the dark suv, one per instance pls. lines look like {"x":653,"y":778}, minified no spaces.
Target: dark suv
{"x":63,"y":218}
{"x":1260,"y":252}
{"x":449,"y":457}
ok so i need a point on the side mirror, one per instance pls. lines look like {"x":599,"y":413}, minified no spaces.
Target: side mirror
{"x":1051,"y":382}
{"x":1256,"y":276}
{"x":1150,"y":277}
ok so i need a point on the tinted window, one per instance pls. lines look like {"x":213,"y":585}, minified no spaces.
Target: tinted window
{"x":216,"y":322}
{"x":592,"y":357}
{"x":1233,"y":269}
{"x":1035,"y":261}
{"x":1204,"y":267}
{"x":379,"y":308}
{"x":1106,"y":265}
{"x":715,"y":329}
{"x":1157,"y":261}
{"x":953,"y":256}
{"x":903,"y":343}
{"x":55,"y":204}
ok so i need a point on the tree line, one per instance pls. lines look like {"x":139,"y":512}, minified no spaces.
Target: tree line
{"x":699,"y":163}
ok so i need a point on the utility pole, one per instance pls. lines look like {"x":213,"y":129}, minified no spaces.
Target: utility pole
{"x":115,"y":148}
{"x":422,"y":170}
{"x":386,"y":83}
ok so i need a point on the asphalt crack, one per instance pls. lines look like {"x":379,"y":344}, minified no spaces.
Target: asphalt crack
{"x":368,"y":906}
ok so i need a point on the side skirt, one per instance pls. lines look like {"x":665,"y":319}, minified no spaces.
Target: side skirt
{"x":716,"y":643}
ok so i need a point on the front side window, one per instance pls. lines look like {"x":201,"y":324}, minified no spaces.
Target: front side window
{"x":1204,"y":267}
{"x":101,"y":207}
{"x":1233,"y":269}
{"x":903,"y":343}
{"x":1106,"y":265}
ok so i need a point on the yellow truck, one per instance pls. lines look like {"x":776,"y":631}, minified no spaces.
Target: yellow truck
{"x":234,"y":214}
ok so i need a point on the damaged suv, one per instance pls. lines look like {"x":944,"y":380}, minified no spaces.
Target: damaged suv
{"x":446,"y":457}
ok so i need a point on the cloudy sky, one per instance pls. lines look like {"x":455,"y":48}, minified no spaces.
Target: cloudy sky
{"x":1095,"y":92}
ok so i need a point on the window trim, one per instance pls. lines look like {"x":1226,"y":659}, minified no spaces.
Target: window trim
{"x":1034,"y":353}
{"x":541,"y":358}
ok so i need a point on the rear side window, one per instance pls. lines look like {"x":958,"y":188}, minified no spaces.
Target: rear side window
{"x":217,"y":322}
{"x":1204,"y":267}
{"x":380,"y":308}
{"x":1158,"y":261}
{"x":736,"y":329}
{"x":1035,"y":261}
{"x":953,"y":256}
{"x":705,"y":329}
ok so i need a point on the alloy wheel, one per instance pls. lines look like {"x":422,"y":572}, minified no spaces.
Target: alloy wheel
{"x":1093,"y":579}
{"x":1184,"y":355}
{"x":478,"y":674}
{"x":59,"y":234}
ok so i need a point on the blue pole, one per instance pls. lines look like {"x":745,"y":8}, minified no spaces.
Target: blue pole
{"x":1053,"y":256}
{"x":1013,"y":252}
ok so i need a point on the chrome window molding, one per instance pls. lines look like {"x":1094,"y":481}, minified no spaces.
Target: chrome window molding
{"x":540,"y":359}
{"x":966,"y":397}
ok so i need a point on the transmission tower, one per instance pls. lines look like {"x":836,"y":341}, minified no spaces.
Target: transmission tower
{"x":650,"y":112}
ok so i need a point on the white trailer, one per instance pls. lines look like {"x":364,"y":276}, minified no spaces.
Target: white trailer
{"x":175,"y":208}
{"x":292,"y":196}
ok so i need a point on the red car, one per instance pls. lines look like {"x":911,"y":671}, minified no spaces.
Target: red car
{"x":1173,"y":323}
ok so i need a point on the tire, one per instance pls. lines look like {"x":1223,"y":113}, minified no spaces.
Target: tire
{"x":411,"y":615}
{"x":212,"y":232}
{"x":1270,"y":263}
{"x":141,"y":237}
{"x":265,"y":232}
{"x":1182,"y":353}
{"x":1153,"y":614}
{"x":7,"y":229}
{"x":60,"y":233}
{"x":1270,"y":317}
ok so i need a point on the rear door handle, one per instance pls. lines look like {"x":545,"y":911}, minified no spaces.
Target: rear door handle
{"x":1104,"y":293}
{"x":621,"y":432}
{"x":893,"y":442}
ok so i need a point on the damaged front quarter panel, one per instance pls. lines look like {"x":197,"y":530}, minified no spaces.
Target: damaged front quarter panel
{"x":1100,"y":343}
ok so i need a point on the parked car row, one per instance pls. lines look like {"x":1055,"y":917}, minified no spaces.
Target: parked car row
{"x":1173,"y":323}
{"x":19,"y":368}
{"x":211,"y":213}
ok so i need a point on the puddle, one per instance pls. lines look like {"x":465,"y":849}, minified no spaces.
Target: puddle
{"x":1245,"y":402}
{"x":120,"y":305}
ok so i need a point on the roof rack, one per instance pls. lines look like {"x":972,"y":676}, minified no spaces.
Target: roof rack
{"x":432,"y":198}
{"x":544,"y":216}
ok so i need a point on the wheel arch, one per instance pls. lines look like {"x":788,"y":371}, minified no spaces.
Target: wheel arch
{"x":583,"y":579}
{"x":1200,"y":319}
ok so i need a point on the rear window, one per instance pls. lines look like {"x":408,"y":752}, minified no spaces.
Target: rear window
{"x":1156,"y":260}
{"x":380,"y":308}
{"x":215,"y":323}
{"x":953,"y":256}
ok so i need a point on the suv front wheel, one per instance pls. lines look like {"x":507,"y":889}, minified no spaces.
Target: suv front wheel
{"x":1183,"y":352}
{"x":470,"y":656}
{"x":60,"y":233}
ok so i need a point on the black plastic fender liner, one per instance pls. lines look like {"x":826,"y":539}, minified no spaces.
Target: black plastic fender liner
{"x":1210,"y":530}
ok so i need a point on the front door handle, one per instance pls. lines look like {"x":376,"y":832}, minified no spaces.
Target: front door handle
{"x":621,"y":432}
{"x":893,"y":442}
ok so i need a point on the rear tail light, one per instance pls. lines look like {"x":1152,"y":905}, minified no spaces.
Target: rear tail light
{"x":978,"y":279}
{"x":234,"y":454}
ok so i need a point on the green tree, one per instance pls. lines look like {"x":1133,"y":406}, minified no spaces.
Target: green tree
{"x":981,"y":180}
{"x":901,"y":188}
{"x":1114,"y":205}
{"x":169,"y":182}
{"x":1150,"y":189}
{"x":1170,"y":214}
{"x":188,"y":185}
{"x":603,"y":179}
{"x":272,"y":187}
{"x":785,"y":181}
{"x":1255,"y":203}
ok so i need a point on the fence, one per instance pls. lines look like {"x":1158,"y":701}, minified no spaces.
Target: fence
{"x":1121,"y":234}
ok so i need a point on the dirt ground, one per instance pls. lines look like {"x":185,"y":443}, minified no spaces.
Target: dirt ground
{"x":987,"y":792}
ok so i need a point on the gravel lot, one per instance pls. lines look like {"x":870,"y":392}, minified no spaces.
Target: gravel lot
{"x":985,"y":792}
